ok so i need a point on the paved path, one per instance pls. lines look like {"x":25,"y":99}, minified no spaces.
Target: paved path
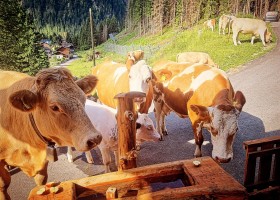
{"x":258,"y":80}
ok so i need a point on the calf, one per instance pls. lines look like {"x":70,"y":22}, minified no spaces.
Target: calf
{"x":38,"y":112}
{"x":205,"y":95}
{"x":196,"y":57}
{"x":106,"y":124}
{"x":211,"y":23}
{"x":256,"y":27}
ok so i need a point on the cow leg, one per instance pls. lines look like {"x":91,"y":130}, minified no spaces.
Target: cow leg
{"x":262,"y":36}
{"x":116,"y":158}
{"x":106,"y":157}
{"x":252,"y":39}
{"x":42,"y":176}
{"x":5,"y":180}
{"x":89,"y":157}
{"x":158,"y":114}
{"x":163,"y":126}
{"x":235,"y":38}
{"x":198,"y":140}
{"x":69,"y":154}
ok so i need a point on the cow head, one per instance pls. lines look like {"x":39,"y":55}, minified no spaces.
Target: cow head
{"x":57,"y":104}
{"x":268,"y":36}
{"x":133,"y":57}
{"x":222,"y":122}
{"x":145,"y":130}
{"x":140,"y":76}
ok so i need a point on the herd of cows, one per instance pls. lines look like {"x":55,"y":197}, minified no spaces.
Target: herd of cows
{"x":51,"y":108}
{"x":255,"y":27}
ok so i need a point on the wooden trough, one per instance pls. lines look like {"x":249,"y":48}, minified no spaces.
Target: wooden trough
{"x":172,"y":180}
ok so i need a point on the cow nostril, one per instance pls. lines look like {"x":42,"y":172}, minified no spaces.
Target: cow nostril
{"x":98,"y":139}
{"x":91,"y":144}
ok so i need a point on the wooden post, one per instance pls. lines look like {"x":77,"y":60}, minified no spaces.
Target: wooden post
{"x":92,"y":39}
{"x":126,"y":119}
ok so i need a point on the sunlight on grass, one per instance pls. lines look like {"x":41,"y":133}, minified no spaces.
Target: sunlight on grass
{"x":175,"y":40}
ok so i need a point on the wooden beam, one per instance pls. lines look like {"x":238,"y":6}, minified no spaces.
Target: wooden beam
{"x":126,"y":120}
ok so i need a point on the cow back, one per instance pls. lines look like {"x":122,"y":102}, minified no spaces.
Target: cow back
{"x":113,"y":79}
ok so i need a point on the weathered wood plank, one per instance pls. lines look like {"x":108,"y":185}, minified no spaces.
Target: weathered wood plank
{"x":256,"y":142}
{"x":276,"y":167}
{"x":66,"y":191}
{"x":250,"y":166}
{"x":142,"y":183}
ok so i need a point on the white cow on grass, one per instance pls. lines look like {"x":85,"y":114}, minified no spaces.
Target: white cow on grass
{"x":256,"y":27}
{"x":106,"y":124}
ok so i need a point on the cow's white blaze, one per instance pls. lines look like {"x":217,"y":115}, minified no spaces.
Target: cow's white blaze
{"x":138,"y":76}
{"x":118,"y":73}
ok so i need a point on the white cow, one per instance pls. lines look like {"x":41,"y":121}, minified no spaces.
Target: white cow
{"x":196,"y":57}
{"x":106,"y":124}
{"x":256,"y":27}
{"x":224,"y":22}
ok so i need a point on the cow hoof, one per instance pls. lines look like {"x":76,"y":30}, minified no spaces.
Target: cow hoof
{"x":161,"y":138}
{"x":165,"y":133}
{"x":138,"y":147}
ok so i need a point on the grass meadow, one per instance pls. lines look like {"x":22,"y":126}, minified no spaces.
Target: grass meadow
{"x":175,"y":40}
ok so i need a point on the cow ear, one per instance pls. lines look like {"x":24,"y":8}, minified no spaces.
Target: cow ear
{"x":165,"y":74}
{"x":87,"y":84}
{"x":239,"y":100}
{"x":201,"y":111}
{"x":138,"y":125}
{"x":24,"y":100}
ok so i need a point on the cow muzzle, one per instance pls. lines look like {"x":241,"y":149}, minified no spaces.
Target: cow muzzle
{"x":93,"y":142}
{"x":222,"y":160}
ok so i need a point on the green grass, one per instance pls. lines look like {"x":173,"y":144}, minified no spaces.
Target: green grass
{"x":174,"y":41}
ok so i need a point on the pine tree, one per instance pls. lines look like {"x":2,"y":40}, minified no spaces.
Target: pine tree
{"x":19,"y":45}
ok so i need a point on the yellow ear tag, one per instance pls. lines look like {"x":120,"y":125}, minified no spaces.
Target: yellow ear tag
{"x":163,"y":77}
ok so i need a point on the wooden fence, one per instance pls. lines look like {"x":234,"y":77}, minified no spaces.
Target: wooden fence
{"x":123,"y":49}
{"x":262,"y":167}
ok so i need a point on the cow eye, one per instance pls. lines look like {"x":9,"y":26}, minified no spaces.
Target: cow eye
{"x":55,"y":108}
{"x":148,"y":80}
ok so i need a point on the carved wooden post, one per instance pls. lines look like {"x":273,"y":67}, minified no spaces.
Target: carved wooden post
{"x":126,"y":119}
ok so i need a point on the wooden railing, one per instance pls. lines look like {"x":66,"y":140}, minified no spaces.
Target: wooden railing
{"x":262,"y":167}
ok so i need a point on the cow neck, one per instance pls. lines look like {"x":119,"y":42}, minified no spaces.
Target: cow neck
{"x":48,"y":142}
{"x":130,"y":61}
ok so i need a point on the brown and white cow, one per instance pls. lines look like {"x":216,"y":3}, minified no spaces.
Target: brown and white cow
{"x":205,"y":95}
{"x":196,"y":57}
{"x":256,"y":27}
{"x":118,"y":78}
{"x":211,"y":23}
{"x":41,"y":110}
{"x":164,"y":71}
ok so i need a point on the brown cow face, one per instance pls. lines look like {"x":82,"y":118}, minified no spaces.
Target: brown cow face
{"x":57,"y":104}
